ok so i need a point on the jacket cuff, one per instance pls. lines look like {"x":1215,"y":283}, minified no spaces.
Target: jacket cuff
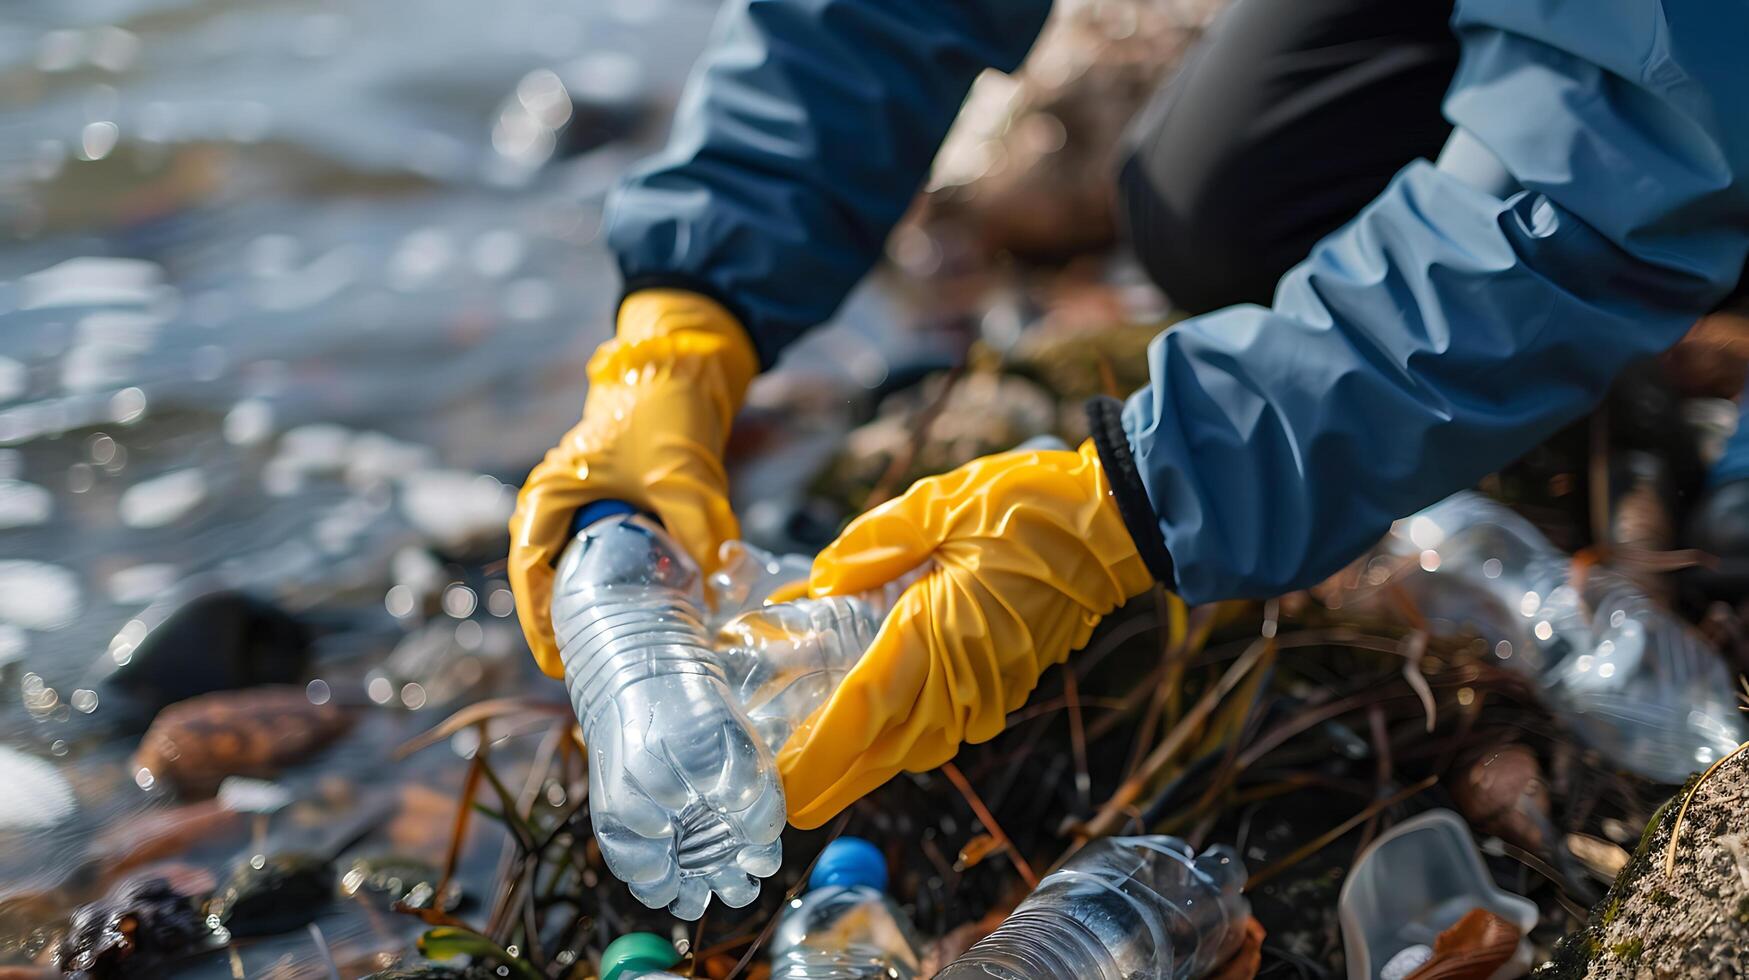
{"x":1105,"y":424}
{"x":693,"y":284}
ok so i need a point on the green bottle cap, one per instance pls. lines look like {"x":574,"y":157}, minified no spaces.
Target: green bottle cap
{"x":637,"y":952}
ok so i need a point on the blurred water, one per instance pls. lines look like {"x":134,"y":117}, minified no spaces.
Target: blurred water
{"x":257,"y":263}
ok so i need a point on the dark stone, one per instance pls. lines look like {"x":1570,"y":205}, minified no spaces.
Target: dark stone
{"x":217,"y":641}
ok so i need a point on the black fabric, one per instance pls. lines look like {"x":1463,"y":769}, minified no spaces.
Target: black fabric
{"x":1285,"y":120}
{"x":1105,"y":424}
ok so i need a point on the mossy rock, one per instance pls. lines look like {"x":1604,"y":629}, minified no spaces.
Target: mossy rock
{"x":1691,"y":923}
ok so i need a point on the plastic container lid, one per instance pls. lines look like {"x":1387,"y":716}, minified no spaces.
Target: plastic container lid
{"x":639,"y":951}
{"x":848,"y":862}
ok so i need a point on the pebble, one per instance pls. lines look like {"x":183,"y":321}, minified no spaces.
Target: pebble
{"x":37,"y":595}
{"x":24,"y":504}
{"x":164,"y":499}
{"x":36,"y":796}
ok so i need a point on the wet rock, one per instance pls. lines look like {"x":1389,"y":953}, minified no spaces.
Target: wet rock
{"x":194,"y":744}
{"x":159,"y":834}
{"x":435,"y":971}
{"x":394,"y":878}
{"x":984,"y":412}
{"x":29,"y":920}
{"x":1028,"y":167}
{"x":1689,"y":921}
{"x":38,"y":596}
{"x":268,"y":894}
{"x":132,"y":931}
{"x":24,"y":504}
{"x":164,"y":499}
{"x":1501,"y":791}
{"x":222,"y":640}
{"x":457,"y":510}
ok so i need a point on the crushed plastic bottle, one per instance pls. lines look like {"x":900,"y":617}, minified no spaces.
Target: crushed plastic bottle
{"x":1124,"y":908}
{"x":685,"y":799}
{"x":784,"y":661}
{"x":846,"y":927}
{"x":1634,"y":682}
{"x":747,"y":576}
{"x":639,"y":956}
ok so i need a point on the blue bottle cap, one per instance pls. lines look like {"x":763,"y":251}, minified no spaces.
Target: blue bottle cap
{"x":598,"y":509}
{"x":848,"y":862}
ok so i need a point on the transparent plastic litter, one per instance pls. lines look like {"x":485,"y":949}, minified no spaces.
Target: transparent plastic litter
{"x":685,"y":798}
{"x":1632,"y":680}
{"x":846,"y":927}
{"x":783,"y":660}
{"x":1413,"y":883}
{"x":1124,"y":908}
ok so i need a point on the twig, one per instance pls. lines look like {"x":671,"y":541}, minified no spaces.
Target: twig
{"x":1078,"y":742}
{"x":1334,"y":833}
{"x":1676,"y":828}
{"x":900,"y":464}
{"x":988,"y":819}
{"x":1115,"y":811}
{"x":463,"y":810}
{"x":1414,"y":648}
{"x":475,"y":714}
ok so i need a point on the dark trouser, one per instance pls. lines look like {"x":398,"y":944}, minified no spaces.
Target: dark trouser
{"x":1283,"y":123}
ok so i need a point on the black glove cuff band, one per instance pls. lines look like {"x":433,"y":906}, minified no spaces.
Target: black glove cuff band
{"x":1105,"y":422}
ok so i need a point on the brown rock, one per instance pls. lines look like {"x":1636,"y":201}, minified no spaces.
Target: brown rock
{"x":159,"y":834}
{"x":1502,"y":792}
{"x":194,"y":744}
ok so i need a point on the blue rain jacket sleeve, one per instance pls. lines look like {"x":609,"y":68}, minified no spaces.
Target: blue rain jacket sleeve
{"x":1444,"y":331}
{"x":800,"y":141}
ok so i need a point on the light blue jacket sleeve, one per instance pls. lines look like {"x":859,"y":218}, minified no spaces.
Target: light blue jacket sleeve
{"x":1444,"y":331}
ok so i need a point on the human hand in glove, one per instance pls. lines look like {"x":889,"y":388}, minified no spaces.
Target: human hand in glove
{"x":662,"y":394}
{"x":1028,"y":551}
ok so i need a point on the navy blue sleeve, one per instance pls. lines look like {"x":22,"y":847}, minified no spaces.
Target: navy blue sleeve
{"x":801,"y":139}
{"x":1445,"y":331}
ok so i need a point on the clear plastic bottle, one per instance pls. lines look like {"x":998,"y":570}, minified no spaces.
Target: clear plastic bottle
{"x":685,"y":799}
{"x":639,"y":956}
{"x":783,"y":661}
{"x":1634,"y":681}
{"x":845,"y":927}
{"x":1124,"y":908}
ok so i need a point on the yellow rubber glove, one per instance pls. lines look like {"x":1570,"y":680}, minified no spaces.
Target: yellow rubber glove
{"x":1029,"y":551}
{"x":662,"y":395}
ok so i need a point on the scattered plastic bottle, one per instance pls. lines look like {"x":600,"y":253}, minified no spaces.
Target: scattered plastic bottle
{"x":846,"y":927}
{"x":1635,"y":683}
{"x":1124,"y":908}
{"x":685,"y":798}
{"x":639,"y":956}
